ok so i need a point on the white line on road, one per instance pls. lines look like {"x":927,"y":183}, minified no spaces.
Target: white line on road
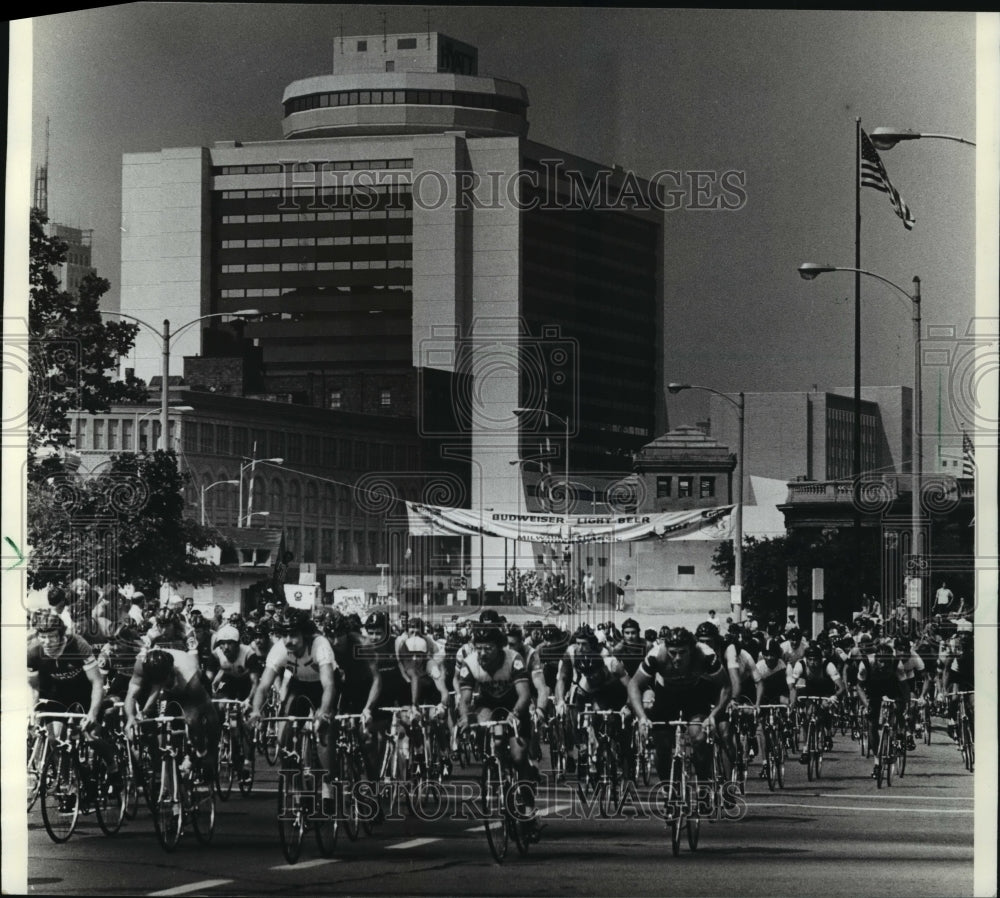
{"x":543,"y":812}
{"x":305,"y":865}
{"x":193,"y":887}
{"x":865,"y":810}
{"x":894,"y":797}
{"x":413,"y":843}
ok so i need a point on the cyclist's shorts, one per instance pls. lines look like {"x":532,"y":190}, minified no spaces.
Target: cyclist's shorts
{"x":312,"y":690}
{"x":234,"y":687}
{"x":690,"y":703}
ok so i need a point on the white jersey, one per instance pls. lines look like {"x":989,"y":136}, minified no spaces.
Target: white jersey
{"x":305,"y":669}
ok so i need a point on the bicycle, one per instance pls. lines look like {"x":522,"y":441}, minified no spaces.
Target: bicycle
{"x":817,"y":738}
{"x":235,"y":764}
{"x":682,"y":811}
{"x":298,"y":752}
{"x":772,"y":726}
{"x":964,"y":728}
{"x":888,"y":742}
{"x":394,"y":768}
{"x":38,"y":752}
{"x":426,"y":762}
{"x":177,"y":788}
{"x":555,"y":731}
{"x":75,"y":780}
{"x":504,"y":811}
{"x":266,"y":734}
{"x":350,"y":772}
{"x":603,"y":777}
{"x":125,"y":754}
{"x":744,"y":734}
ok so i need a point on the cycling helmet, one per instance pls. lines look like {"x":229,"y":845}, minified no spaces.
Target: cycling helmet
{"x":551,"y":632}
{"x":664,"y":631}
{"x":293,"y":620}
{"x":814,"y":653}
{"x":158,"y":665}
{"x":489,"y":616}
{"x":489,"y":634}
{"x":49,"y":622}
{"x":679,"y":637}
{"x":794,"y":633}
{"x":227,"y":633}
{"x":901,"y":644}
{"x":649,"y":635}
{"x":772,"y":649}
{"x":270,"y":608}
{"x":377,"y":620}
{"x":630,"y":623}
{"x":706,"y":630}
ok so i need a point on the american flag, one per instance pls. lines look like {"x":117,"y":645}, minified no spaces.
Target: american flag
{"x":873,"y":174}
{"x":968,"y":456}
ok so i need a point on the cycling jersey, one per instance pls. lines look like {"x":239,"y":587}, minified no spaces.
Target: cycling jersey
{"x":603,"y":686}
{"x":550,"y":654}
{"x":496,"y":689}
{"x":823,"y":682}
{"x":910,"y":667}
{"x":742,"y":662}
{"x":305,"y":669}
{"x":63,"y":677}
{"x":775,"y":680}
{"x":630,"y":654}
{"x":790,"y":655}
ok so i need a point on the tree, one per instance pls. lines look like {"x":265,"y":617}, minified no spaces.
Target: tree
{"x":765,"y":579}
{"x":126,"y":522}
{"x":71,"y":351}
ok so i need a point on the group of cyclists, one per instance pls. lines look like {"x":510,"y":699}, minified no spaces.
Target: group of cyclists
{"x":474,"y":670}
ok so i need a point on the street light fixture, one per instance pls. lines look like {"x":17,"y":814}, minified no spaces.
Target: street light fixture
{"x":205,"y":489}
{"x":240,"y":518}
{"x":165,"y":336}
{"x":810,"y":270}
{"x":740,"y":406}
{"x":887,"y":138}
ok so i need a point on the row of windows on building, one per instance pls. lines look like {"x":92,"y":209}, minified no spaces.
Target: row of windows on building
{"x":685,"y":487}
{"x":470,"y":99}
{"x":346,"y":240}
{"x":354,"y":265}
{"x":278,"y":497}
{"x":342,"y":215}
{"x":131,"y":434}
{"x":276,"y":168}
{"x":364,"y":196}
{"x":262,"y":292}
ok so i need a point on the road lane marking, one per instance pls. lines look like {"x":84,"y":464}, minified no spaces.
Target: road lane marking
{"x":193,"y":887}
{"x":305,"y":865}
{"x":866,"y":810}
{"x":556,"y":809}
{"x":894,"y":797}
{"x":413,"y":843}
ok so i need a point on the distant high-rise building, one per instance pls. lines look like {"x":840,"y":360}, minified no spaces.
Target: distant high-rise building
{"x":407,"y":241}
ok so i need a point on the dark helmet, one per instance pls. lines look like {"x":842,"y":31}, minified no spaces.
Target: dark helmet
{"x":794,"y":633}
{"x":584,"y":632}
{"x":489,"y":616}
{"x":649,"y":635}
{"x":772,"y":649}
{"x":377,"y":620}
{"x":814,"y":653}
{"x":587,"y":663}
{"x":158,"y":665}
{"x":706,"y":631}
{"x":664,"y":631}
{"x":551,"y":632}
{"x":679,"y":636}
{"x":49,"y":622}
{"x":489,"y":634}
{"x":630,"y":623}
{"x":294,"y":620}
{"x":901,"y":644}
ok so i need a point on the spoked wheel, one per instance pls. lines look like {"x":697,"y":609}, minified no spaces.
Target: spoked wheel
{"x":292,"y":822}
{"x":811,"y":749}
{"x":968,"y":746}
{"x":901,"y":757}
{"x":816,"y":762}
{"x":927,"y":724}
{"x":199,"y":799}
{"x":37,"y":753}
{"x":226,"y":775}
{"x":126,"y":765}
{"x":863,"y":737}
{"x":494,"y":813}
{"x":772,"y":761}
{"x":269,"y":738}
{"x":675,"y":806}
{"x":246,"y":771}
{"x":109,"y":801}
{"x":607,"y":782}
{"x":350,"y":774}
{"x":779,"y":755}
{"x":516,"y":822}
{"x":168,"y":812}
{"x":60,"y":794}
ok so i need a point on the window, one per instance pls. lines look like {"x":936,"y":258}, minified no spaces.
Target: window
{"x":294,"y":497}
{"x":336,"y":399}
{"x":390,"y":66}
{"x":98,"y":434}
{"x":127,"y":425}
{"x":385,"y":399}
{"x":663,"y":487}
{"x":81,"y":433}
{"x":312,"y":498}
{"x":326,"y":546}
{"x":362,"y":46}
{"x":406,"y":43}
{"x":706,"y":487}
{"x":684,"y":485}
{"x":685,"y":570}
{"x":113,"y":435}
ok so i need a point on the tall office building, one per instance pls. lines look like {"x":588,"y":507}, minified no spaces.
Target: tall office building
{"x":411,"y":252}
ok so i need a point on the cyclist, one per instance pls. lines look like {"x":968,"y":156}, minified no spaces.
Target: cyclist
{"x":239,"y":667}
{"x":536,"y":681}
{"x":794,"y":647}
{"x":817,"y":677}
{"x":689,"y":682}
{"x":424,"y":677}
{"x":494,"y":677}
{"x":549,"y":656}
{"x":770,"y":678}
{"x":958,"y":676}
{"x":173,"y":675}
{"x":911,"y":665}
{"x":631,"y":649}
{"x":880,"y":678}
{"x":169,"y":632}
{"x":359,"y":682}
{"x":62,"y":671}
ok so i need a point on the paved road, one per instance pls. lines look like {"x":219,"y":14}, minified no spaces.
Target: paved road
{"x":835,"y":836}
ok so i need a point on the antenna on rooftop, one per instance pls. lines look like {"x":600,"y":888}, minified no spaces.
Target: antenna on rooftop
{"x":385,"y":42}
{"x":427,"y":14}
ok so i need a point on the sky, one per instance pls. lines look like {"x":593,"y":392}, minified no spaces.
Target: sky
{"x":771,"y":94}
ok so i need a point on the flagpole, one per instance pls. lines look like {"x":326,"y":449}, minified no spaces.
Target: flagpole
{"x":856,"y":466}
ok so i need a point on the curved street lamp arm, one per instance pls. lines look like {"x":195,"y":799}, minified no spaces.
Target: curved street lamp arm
{"x":133,"y":318}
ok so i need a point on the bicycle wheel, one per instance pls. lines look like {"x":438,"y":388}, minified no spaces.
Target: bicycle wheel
{"x":291,"y":813}
{"x":109,"y":800}
{"x":246,"y":772}
{"x":771,"y":760}
{"x":676,"y":799}
{"x":816,"y":762}
{"x":811,"y":749}
{"x":226,"y":774}
{"x":863,"y":737}
{"x":168,"y":811}
{"x":60,"y":795}
{"x":37,"y":754}
{"x":348,"y":774}
{"x":494,"y":813}
{"x":927,"y":723}
{"x":269,"y":737}
{"x":693,"y":821}
{"x":516,"y":811}
{"x":780,"y":774}
{"x":200,"y":804}
{"x":606,"y":801}
{"x":130,"y":782}
{"x":968,"y":746}
{"x":901,"y":757}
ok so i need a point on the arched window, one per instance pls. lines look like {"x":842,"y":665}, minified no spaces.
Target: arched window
{"x":294,"y":497}
{"x":329,"y":501}
{"x":312,"y":498}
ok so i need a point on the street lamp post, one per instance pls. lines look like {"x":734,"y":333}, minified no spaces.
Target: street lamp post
{"x":165,"y":337}
{"x":205,"y":489}
{"x":740,"y":406}
{"x":140,"y":418}
{"x":521,"y":462}
{"x":810,"y":270}
{"x":887,"y":138}
{"x":252,"y":463}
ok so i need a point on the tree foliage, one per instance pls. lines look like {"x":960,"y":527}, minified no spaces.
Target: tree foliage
{"x":125,"y":522}
{"x":71,"y":351}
